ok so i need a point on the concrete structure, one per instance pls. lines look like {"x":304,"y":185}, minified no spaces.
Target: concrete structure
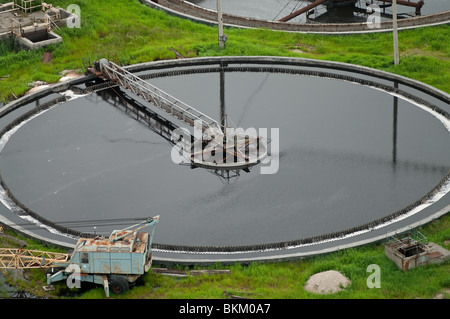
{"x":233,"y":150}
{"x":33,"y":29}
{"x":200,"y":14}
{"x":408,"y":253}
{"x":425,"y":210}
{"x":38,"y":37}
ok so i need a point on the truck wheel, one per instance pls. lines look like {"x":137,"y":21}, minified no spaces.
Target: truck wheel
{"x":118,"y":284}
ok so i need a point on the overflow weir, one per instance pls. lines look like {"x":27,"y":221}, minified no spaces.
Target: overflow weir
{"x":260,"y":239}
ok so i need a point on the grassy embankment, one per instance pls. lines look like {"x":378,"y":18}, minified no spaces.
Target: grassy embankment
{"x":286,"y":279}
{"x":131,"y":33}
{"x":275,"y":280}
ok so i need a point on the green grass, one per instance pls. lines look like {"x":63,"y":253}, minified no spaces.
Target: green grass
{"x":30,"y":280}
{"x":286,"y":280}
{"x":129,"y":32}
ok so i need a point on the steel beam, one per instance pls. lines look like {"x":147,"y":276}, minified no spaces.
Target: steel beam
{"x":12,"y":258}
{"x":302,"y":10}
{"x":158,"y":97}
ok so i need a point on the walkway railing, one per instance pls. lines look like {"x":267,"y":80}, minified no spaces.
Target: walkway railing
{"x":158,"y":97}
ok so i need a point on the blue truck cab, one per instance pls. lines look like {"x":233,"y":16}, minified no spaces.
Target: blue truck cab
{"x":115,"y":262}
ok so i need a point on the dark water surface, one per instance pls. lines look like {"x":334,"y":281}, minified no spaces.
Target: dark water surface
{"x":338,"y":164}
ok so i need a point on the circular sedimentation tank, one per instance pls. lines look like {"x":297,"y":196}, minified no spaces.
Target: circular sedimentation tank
{"x":355,"y":155}
{"x":333,"y":16}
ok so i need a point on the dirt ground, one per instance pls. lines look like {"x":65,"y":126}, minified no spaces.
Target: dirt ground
{"x":327,"y":282}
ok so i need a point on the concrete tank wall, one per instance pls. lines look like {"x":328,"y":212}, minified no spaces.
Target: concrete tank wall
{"x":199,"y":14}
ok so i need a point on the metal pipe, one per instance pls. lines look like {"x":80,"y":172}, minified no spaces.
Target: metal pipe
{"x":302,"y":10}
{"x":394,"y":129}
{"x":395,"y":32}
{"x":220,"y":21}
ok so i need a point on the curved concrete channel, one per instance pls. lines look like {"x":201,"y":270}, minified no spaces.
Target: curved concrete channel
{"x":431,"y":206}
{"x":187,"y":10}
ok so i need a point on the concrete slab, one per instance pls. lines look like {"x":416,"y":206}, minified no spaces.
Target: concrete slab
{"x":50,"y":38}
{"x":11,"y":19}
{"x":408,"y":254}
{"x":437,"y":253}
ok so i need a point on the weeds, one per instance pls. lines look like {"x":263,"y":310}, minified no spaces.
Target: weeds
{"x":129,"y":32}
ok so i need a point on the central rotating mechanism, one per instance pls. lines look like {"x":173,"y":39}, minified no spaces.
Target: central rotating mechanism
{"x":213,"y":146}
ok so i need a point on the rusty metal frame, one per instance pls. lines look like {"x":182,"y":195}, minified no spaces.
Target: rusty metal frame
{"x":27,"y":5}
{"x":16,"y":258}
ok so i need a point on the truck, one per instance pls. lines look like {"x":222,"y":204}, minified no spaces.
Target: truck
{"x":116,"y":262}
